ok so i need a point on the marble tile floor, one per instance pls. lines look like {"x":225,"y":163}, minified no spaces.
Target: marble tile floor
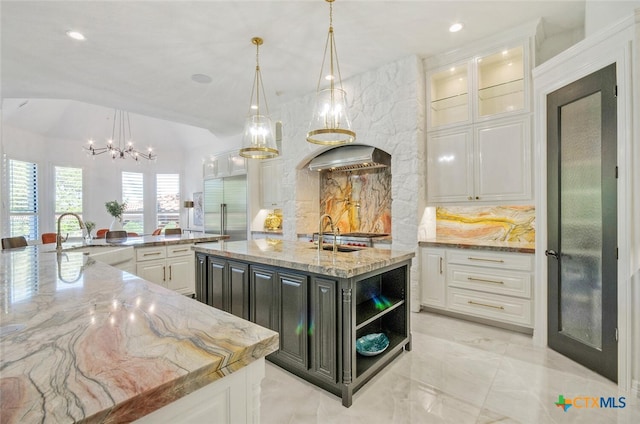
{"x":458,"y":372}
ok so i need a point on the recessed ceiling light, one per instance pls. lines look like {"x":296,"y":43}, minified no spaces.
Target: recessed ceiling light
{"x":75,"y":35}
{"x":455,"y":27}
{"x":201,"y":78}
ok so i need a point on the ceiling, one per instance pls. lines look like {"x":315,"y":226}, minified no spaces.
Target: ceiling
{"x":140,"y":55}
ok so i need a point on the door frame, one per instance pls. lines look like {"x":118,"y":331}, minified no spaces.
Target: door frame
{"x":613,"y":45}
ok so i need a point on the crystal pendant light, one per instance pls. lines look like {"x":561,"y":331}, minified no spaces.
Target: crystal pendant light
{"x":258,"y":141}
{"x":330,"y":124}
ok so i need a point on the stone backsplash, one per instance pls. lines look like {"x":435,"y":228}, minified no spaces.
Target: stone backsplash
{"x":495,"y":223}
{"x":358,"y":201}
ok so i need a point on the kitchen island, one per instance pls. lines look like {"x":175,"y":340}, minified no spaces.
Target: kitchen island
{"x":82,"y":341}
{"x":165,"y":260}
{"x":320,"y":303}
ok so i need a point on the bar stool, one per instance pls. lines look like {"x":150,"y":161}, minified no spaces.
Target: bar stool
{"x":13,"y":242}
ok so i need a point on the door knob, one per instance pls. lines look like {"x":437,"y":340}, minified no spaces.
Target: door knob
{"x":552,"y":252}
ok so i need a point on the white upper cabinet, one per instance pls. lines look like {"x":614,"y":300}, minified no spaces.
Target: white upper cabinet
{"x":502,"y":160}
{"x":224,"y":165}
{"x":501,"y":83}
{"x":450,"y":166}
{"x":483,"y":87}
{"x":271,"y":183}
{"x":479,"y":125}
{"x":449,"y":96}
{"x":483,"y":162}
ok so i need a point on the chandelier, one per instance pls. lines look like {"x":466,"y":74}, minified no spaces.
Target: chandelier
{"x":120,"y":145}
{"x":330,"y":123}
{"x":258,"y":141}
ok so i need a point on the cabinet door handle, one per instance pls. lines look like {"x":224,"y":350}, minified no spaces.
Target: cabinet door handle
{"x":484,"y":280}
{"x":477,"y":197}
{"x":471,"y":302}
{"x":469,"y":198}
{"x":170,"y":277}
{"x":441,"y":265}
{"x":151,"y":254}
{"x":180,"y":250}
{"x":164,"y":273}
{"x":471,"y":258}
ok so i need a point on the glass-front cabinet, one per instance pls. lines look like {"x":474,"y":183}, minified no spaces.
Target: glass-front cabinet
{"x":501,"y":82}
{"x":478,"y":125}
{"x":449,"y":94}
{"x":485,"y":86}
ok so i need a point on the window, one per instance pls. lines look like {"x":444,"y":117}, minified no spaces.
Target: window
{"x":133,"y":196}
{"x":22,"y":182}
{"x":168,"y":200}
{"x":68,"y":198}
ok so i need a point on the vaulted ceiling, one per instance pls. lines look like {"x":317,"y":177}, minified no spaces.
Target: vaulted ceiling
{"x":140,"y":55}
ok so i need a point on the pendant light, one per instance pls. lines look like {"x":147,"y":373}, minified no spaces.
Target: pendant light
{"x":258,"y":141}
{"x":330,"y":124}
{"x":120,"y":145}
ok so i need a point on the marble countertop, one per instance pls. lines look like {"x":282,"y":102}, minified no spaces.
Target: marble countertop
{"x":83,"y":341}
{"x":142,"y":241}
{"x":502,"y":246}
{"x":304,"y":256}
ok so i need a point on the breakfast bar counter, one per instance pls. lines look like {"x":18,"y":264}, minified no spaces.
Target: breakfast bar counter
{"x":82,"y":341}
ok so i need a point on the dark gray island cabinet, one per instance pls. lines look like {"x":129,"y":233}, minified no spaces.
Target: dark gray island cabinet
{"x":319,"y":303}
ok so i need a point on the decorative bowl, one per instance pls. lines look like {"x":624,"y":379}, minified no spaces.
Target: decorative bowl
{"x":372,"y":344}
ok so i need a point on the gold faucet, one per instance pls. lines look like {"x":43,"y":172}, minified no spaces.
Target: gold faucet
{"x":59,"y":238}
{"x":320,"y":236}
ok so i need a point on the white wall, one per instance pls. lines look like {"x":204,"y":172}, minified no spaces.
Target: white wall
{"x":101,"y":174}
{"x":600,"y":14}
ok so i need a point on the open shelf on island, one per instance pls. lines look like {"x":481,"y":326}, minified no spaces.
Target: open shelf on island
{"x":373,"y":308}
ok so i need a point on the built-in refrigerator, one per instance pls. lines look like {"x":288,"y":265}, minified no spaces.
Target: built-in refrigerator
{"x":225,"y":206}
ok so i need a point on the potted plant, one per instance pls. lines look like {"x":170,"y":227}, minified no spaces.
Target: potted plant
{"x":89,"y":225}
{"x":116,"y":210}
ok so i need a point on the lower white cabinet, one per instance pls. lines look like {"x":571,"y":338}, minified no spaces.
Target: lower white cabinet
{"x":232,"y":399}
{"x":479,"y":283}
{"x":171,"y":266}
{"x":432,"y":274}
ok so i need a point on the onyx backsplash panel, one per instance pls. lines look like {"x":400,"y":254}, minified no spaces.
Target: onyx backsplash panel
{"x":492,"y":223}
{"x":357,"y":201}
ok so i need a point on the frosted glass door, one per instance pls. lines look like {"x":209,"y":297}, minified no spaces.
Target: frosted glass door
{"x":582,"y":221}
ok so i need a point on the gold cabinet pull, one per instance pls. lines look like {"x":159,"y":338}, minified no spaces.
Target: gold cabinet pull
{"x":180,"y":250}
{"x":164,"y":273}
{"x":440,"y":264}
{"x":170,"y":277}
{"x":484,"y":280}
{"x":471,"y":302}
{"x":471,"y":258}
{"x":151,"y":254}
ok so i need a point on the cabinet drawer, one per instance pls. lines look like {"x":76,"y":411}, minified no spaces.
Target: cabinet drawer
{"x":500,"y":308}
{"x":515,"y":261}
{"x":150,"y":253}
{"x":179,"y":250}
{"x":498,"y":281}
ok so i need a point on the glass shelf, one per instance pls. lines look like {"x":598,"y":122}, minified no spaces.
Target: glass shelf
{"x":459,"y":100}
{"x":500,"y":90}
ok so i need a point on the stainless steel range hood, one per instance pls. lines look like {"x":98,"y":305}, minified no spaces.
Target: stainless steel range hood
{"x":349,"y":158}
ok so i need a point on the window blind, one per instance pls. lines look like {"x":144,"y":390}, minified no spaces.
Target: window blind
{"x":68,"y":198}
{"x":168,"y":200}
{"x":133,"y":195}
{"x":22,"y":179}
